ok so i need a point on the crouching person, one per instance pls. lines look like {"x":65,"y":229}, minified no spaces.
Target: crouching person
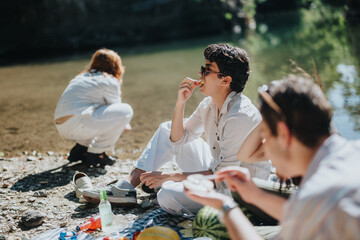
{"x":90,"y":111}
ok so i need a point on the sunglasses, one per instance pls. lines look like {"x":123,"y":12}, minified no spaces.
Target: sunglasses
{"x":205,"y":72}
{"x":265,"y":96}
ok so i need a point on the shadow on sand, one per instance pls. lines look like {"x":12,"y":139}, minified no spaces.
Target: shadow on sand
{"x":55,"y":177}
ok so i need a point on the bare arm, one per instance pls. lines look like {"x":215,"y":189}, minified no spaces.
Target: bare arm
{"x":177,"y":123}
{"x":156,"y":179}
{"x":238,"y":226}
{"x":252,"y":150}
{"x":185,"y":91}
{"x":239,"y":180}
{"x":270,"y":203}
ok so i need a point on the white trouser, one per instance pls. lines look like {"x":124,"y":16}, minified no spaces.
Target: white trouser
{"x":190,"y":157}
{"x":99,"y":131}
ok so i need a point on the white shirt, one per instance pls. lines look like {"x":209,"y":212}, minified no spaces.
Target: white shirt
{"x":86,"y":92}
{"x":225,"y":132}
{"x":327,"y":205}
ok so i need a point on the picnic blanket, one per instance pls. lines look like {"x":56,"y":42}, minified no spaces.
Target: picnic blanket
{"x":157,"y":217}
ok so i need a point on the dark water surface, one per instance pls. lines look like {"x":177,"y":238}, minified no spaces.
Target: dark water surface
{"x":29,"y":92}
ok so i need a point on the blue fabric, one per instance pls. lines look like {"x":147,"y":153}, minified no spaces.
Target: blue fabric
{"x":157,"y":217}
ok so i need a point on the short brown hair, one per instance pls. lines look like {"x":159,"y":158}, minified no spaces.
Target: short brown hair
{"x":308,"y":113}
{"x":107,"y":61}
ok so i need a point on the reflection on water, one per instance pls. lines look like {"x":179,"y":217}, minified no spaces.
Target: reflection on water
{"x":318,"y":33}
{"x":344,"y":96}
{"x":150,"y":83}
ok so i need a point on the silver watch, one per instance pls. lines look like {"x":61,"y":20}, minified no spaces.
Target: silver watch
{"x":227,"y":206}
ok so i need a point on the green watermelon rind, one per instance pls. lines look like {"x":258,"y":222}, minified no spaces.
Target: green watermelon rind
{"x":207,"y":224}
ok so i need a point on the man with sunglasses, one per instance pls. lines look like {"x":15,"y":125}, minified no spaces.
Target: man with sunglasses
{"x":225,"y":116}
{"x":299,"y":140}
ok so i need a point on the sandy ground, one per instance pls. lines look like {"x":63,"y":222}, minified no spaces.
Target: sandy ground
{"x":44,"y":183}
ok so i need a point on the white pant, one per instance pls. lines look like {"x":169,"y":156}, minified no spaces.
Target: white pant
{"x":99,"y":131}
{"x":191,"y":157}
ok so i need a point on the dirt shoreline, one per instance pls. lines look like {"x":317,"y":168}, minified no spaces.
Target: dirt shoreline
{"x":40,"y":182}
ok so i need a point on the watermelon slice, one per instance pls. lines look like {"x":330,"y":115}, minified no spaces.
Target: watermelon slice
{"x":207,"y":224}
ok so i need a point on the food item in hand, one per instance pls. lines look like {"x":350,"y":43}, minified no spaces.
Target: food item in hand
{"x":198,"y":83}
{"x":194,"y":83}
{"x":158,"y":233}
{"x":207,"y":224}
{"x":201,"y":83}
{"x":198,"y":182}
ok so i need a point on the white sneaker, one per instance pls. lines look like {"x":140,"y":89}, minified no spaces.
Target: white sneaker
{"x":81,"y":182}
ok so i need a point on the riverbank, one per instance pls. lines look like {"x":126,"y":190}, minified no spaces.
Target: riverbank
{"x":43,"y":183}
{"x":29,"y":94}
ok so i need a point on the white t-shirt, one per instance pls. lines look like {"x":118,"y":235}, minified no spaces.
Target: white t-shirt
{"x":86,"y":92}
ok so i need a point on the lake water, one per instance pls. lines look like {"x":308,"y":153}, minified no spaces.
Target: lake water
{"x":29,"y":92}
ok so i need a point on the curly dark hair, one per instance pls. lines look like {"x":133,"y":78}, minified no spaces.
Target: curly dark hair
{"x":232,"y":61}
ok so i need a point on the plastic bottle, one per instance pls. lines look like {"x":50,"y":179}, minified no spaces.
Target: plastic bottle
{"x":91,"y":224}
{"x":106,"y":214}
